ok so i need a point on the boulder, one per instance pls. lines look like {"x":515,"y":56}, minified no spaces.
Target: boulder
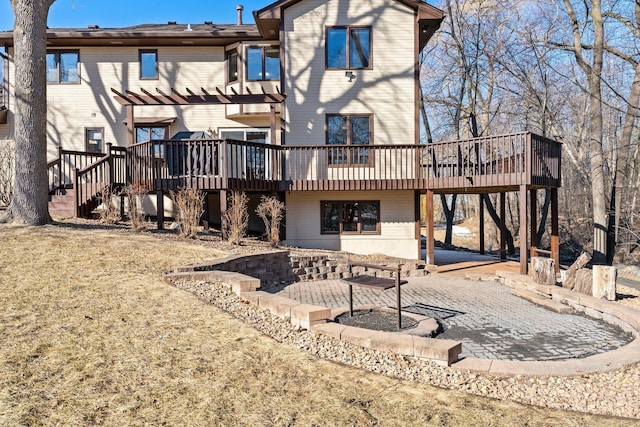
{"x":584,"y":281}
{"x":570,"y":277}
{"x":604,"y":282}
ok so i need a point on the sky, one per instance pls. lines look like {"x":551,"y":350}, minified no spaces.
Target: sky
{"x":124,"y":13}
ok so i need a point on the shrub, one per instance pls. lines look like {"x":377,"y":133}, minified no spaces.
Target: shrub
{"x":271,"y":210}
{"x":109,"y":214}
{"x":236,"y":219}
{"x":7,"y":171}
{"x":189,"y":202}
{"x":134,"y":195}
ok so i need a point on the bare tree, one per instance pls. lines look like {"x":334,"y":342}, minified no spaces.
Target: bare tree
{"x":591,"y":64}
{"x":236,"y":219}
{"x":271,"y":210}
{"x":7,"y":154}
{"x":29,"y":203}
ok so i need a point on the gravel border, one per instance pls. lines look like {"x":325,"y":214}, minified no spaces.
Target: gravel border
{"x":608,"y":393}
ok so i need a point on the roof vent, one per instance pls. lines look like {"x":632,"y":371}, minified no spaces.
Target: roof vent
{"x":239,"y":8}
{"x":189,"y":28}
{"x":171,"y":23}
{"x":93,"y":27}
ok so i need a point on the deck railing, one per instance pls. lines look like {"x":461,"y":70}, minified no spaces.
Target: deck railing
{"x":91,"y":181}
{"x":474,"y":164}
{"x":62,"y":169}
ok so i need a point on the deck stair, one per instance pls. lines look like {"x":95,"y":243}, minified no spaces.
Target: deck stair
{"x":77,"y":180}
{"x":62,"y":204}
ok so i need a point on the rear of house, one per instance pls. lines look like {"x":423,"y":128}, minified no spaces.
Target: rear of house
{"x":316,"y":103}
{"x":349,"y":74}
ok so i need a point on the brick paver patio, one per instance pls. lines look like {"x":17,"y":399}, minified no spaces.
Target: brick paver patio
{"x":491,"y":323}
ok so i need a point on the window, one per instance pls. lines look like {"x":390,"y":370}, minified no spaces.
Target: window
{"x":352,"y":130}
{"x":148,"y":64}
{"x":93,"y":140}
{"x":263,"y":63}
{"x":155,"y":133}
{"x":232,"y":66}
{"x":349,"y":217}
{"x":63,"y":66}
{"x":348,"y":48}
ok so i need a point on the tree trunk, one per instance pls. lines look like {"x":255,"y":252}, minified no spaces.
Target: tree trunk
{"x":543,"y":216}
{"x":449,"y":215}
{"x":593,"y":71}
{"x":621,"y":181}
{"x":29,"y":204}
{"x":511,"y":249}
{"x":600,"y":217}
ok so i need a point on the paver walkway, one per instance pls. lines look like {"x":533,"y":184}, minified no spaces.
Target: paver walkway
{"x":491,"y":323}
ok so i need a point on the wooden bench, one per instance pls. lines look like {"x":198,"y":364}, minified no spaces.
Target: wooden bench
{"x":377,"y":283}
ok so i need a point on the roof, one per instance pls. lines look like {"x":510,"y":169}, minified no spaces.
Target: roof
{"x":208,"y":34}
{"x":169,"y":34}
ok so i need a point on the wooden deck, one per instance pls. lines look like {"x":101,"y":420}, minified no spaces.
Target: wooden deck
{"x":481,"y":165}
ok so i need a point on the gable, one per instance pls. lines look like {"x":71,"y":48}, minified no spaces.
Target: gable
{"x":268,"y":19}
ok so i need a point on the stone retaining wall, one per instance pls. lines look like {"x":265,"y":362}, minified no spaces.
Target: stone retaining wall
{"x":276,"y":268}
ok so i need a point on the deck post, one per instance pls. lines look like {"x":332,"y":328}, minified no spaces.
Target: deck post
{"x":160,"y":209}
{"x":272,"y":124}
{"x":481,"y":223}
{"x":430,"y":250}
{"x":131,"y":126}
{"x":204,"y":218}
{"x":416,"y":217}
{"x":503,"y":230}
{"x":533,"y":207}
{"x":555,"y":240}
{"x":523,"y":229}
{"x":223,"y":212}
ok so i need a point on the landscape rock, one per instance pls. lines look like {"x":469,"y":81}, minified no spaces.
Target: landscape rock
{"x":604,"y":282}
{"x":570,"y":278}
{"x":584,"y":281}
{"x":544,"y":270}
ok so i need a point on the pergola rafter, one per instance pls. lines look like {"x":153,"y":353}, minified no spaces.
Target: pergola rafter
{"x":192,"y":98}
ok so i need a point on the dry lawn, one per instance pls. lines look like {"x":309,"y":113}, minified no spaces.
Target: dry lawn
{"x":91,"y":335}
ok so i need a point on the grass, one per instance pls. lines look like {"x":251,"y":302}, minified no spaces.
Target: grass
{"x":91,"y":335}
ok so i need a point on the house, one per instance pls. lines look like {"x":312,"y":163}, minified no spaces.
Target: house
{"x":317,"y":103}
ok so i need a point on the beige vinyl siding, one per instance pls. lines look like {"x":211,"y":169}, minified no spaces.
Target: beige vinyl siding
{"x":397,"y":225}
{"x":91,"y":104}
{"x":387,"y":91}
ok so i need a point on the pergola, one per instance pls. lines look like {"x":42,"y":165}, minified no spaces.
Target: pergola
{"x":132,"y":99}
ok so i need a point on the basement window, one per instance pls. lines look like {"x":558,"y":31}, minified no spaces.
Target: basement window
{"x":350,"y":217}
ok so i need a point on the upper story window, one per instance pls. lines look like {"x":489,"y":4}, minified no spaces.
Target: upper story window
{"x":263,"y":63}
{"x":148,"y":64}
{"x":349,"y":130}
{"x":63,"y":66}
{"x":348,"y":48}
{"x":232,"y":66}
